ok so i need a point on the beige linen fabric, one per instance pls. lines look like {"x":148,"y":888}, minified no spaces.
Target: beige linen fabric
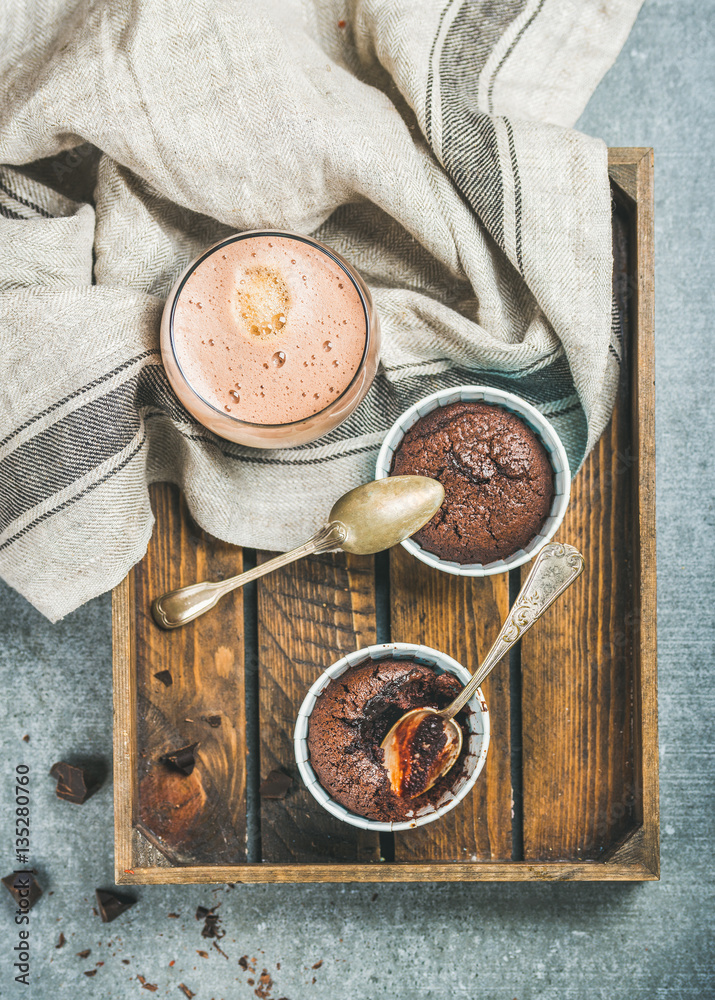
{"x":427,"y":141}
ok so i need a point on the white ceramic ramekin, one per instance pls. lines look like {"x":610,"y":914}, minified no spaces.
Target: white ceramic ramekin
{"x":541,"y":427}
{"x":478,"y":722}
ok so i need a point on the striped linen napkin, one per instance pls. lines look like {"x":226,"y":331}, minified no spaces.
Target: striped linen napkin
{"x":428,"y":141}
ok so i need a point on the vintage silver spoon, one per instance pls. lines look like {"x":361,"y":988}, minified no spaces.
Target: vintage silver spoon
{"x":425,"y":742}
{"x":368,"y":519}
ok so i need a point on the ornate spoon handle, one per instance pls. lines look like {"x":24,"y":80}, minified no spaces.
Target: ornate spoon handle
{"x":185,"y":604}
{"x":556,"y":567}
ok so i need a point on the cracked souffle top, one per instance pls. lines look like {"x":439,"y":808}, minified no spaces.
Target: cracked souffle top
{"x":497,"y":477}
{"x":351,"y":718}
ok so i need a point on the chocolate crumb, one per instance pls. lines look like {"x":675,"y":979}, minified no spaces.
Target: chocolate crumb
{"x":318,"y":964}
{"x":203,"y":954}
{"x":91,"y":972}
{"x":84,"y":954}
{"x":182,"y":759}
{"x":263,"y":990}
{"x":174,"y":916}
{"x":186,"y":991}
{"x":243,"y":962}
{"x":220,"y":949}
{"x":125,"y":961}
{"x":275,"y":785}
{"x":111,"y":905}
{"x":24,"y":888}
{"x":373,"y":897}
{"x":72,"y":784}
{"x":61,"y":941}
{"x":26,"y":738}
{"x":165,"y":677}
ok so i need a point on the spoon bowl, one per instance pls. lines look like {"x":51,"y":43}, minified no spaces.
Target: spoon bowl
{"x":419,"y":749}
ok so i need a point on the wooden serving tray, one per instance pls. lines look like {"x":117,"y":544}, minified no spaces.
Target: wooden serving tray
{"x":570,"y":786}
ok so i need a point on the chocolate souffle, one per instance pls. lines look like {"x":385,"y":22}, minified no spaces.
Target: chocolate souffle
{"x":497,"y":477}
{"x":351,"y":718}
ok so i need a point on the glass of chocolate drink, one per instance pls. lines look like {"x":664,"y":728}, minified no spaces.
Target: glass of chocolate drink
{"x":270,"y":339}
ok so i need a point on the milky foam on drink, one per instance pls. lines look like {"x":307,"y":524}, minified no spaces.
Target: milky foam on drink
{"x":269,"y":329}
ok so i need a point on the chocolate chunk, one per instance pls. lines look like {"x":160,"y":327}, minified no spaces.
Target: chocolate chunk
{"x":71,"y":781}
{"x":23,"y":888}
{"x":174,"y":916}
{"x":165,"y":677}
{"x":203,"y":954}
{"x":243,"y":962}
{"x":26,"y":738}
{"x":213,"y":720}
{"x":275,"y":785}
{"x":182,"y":759}
{"x":62,"y":940}
{"x":186,"y":991}
{"x":92,"y":972}
{"x":210,"y":928}
{"x":125,"y":961}
{"x":84,"y":954}
{"x":201,"y":912}
{"x":318,"y":964}
{"x":112,"y":905}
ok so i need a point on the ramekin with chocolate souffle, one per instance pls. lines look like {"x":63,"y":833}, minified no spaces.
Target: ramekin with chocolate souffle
{"x":497,"y":477}
{"x":352,"y":716}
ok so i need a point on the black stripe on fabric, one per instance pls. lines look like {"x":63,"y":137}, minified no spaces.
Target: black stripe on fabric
{"x":24,"y":201}
{"x":9,"y":214}
{"x":68,"y":503}
{"x":517,"y":194}
{"x":67,"y":451}
{"x":612,"y":350}
{"x":470,"y":151}
{"x":91,"y":435}
{"x":525,"y":27}
{"x":80,"y":441}
{"x":432,"y":361}
{"x":562,"y":413}
{"x":79,"y":392}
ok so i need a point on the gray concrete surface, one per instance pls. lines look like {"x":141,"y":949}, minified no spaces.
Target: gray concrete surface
{"x":463,"y":941}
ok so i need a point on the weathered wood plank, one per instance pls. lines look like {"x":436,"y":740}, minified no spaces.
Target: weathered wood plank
{"x":577,"y":672}
{"x":201,"y":817}
{"x":461,"y":617}
{"x":309,"y":615}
